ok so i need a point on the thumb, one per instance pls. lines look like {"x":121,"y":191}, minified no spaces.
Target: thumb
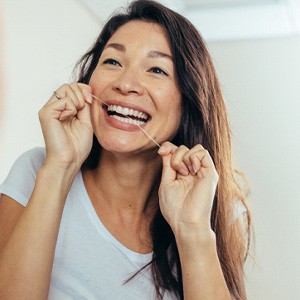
{"x":168,"y":173}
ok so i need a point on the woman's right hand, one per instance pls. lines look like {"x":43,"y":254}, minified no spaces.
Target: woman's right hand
{"x":66,"y":126}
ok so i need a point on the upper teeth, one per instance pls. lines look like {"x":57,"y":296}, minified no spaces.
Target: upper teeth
{"x":127,"y":111}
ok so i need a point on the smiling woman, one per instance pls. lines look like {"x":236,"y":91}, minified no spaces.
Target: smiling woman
{"x":105,"y":214}
{"x":135,"y":74}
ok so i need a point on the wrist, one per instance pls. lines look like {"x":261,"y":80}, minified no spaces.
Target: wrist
{"x":52,"y":186}
{"x":200,"y":236}
{"x":61,"y":168}
{"x":57,"y":173}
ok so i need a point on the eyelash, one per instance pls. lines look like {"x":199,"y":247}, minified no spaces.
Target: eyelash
{"x":111,"y":62}
{"x":159,"y":71}
{"x":155,"y":70}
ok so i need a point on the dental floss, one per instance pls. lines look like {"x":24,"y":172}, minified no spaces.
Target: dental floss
{"x":134,"y":122}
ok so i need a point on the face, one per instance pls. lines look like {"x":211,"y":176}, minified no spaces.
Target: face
{"x":135,"y":76}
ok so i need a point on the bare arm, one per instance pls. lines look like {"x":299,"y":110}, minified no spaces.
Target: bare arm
{"x":26,"y":256}
{"x":10,"y":212}
{"x":28,"y":244}
{"x":201,"y":269}
{"x":186,"y":193}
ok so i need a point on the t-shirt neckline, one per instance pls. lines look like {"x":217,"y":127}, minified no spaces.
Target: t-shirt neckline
{"x":137,"y":258}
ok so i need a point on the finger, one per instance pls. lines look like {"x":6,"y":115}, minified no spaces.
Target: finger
{"x":177,"y":160}
{"x":78,"y":93}
{"x":167,"y":148}
{"x":202,"y":159}
{"x":60,"y":93}
{"x":59,"y":110}
{"x":192,"y":164}
{"x":72,"y":95}
{"x":86,"y":92}
{"x":84,"y":115}
{"x":69,"y":109}
{"x":165,"y":151}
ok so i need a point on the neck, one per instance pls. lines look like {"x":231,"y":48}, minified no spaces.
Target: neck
{"x":123,"y":191}
{"x":127,"y":184}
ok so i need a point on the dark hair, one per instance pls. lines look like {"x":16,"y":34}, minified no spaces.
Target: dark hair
{"x":203,"y":121}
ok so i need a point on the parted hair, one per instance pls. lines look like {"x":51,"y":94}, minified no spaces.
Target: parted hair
{"x":204,"y":121}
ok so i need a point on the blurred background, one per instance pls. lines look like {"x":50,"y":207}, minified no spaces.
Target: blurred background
{"x":256,"y":50}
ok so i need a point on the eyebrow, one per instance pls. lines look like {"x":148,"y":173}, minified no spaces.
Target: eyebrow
{"x":151,"y":54}
{"x":154,"y":53}
{"x":116,"y":46}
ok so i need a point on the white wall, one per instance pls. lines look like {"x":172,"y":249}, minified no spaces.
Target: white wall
{"x":43,"y":40}
{"x":260,"y":79}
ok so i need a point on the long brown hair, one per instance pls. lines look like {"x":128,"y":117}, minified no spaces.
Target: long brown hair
{"x":204,"y":121}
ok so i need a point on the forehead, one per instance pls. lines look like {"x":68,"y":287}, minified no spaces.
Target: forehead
{"x":137,"y":31}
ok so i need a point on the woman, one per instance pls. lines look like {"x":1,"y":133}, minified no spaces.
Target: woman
{"x":102,"y":213}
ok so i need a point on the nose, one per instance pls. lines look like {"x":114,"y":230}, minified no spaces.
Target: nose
{"x":128,"y":82}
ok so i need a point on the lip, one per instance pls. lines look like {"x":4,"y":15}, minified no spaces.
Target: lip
{"x":119,"y":124}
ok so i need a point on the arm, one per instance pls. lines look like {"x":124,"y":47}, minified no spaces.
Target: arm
{"x":28,"y":244}
{"x":200,"y":262}
{"x":26,"y":256}
{"x":186,"y":194}
{"x":201,"y":270}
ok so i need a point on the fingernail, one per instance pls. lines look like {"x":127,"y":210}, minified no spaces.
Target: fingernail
{"x":162,"y":150}
{"x":191,"y":170}
{"x":88,"y":96}
{"x":195,"y":169}
{"x":63,"y":116}
{"x":184,"y":171}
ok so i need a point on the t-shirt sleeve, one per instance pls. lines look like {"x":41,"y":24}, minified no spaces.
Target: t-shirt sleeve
{"x":240,"y":217}
{"x":20,"y":181}
{"x":239,"y":210}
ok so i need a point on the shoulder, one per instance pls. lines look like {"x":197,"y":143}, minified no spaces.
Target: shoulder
{"x":239,"y":209}
{"x":240,"y":218}
{"x":35,"y":157}
{"x":30,"y":161}
{"x":20,"y":180}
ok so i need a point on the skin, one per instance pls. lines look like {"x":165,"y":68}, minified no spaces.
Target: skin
{"x":131,"y":74}
{"x":128,"y":73}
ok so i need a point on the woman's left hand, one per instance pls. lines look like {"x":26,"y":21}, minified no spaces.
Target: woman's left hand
{"x":187,"y":189}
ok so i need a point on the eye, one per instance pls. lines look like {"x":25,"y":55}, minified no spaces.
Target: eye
{"x":111,"y":61}
{"x":158,"y":71}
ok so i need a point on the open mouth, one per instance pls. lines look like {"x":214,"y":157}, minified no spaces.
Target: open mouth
{"x":127,"y":115}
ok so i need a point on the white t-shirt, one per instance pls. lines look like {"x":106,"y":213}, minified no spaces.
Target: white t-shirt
{"x":89,"y":263}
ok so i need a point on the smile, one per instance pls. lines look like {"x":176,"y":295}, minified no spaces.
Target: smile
{"x":127,"y":115}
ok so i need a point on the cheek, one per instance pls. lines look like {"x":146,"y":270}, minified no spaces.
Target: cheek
{"x":176,"y":108}
{"x":97,"y":81}
{"x":174,"y":104}
{"x":171,"y":106}
{"x":169,"y":97}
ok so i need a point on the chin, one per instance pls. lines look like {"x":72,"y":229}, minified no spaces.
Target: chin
{"x":117,"y":145}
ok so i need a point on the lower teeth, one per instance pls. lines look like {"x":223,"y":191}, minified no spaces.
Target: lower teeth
{"x":128,"y":120}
